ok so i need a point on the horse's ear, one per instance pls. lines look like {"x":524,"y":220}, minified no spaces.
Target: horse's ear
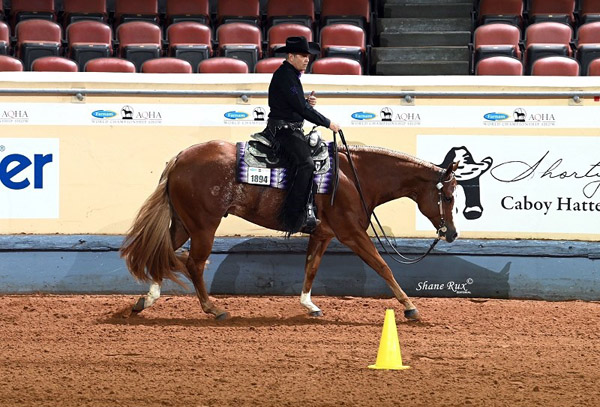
{"x":450,"y":170}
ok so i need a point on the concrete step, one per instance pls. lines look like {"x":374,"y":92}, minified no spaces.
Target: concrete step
{"x":423,"y":39}
{"x":427,"y":10}
{"x":420,"y":54}
{"x":422,"y":68}
{"x":402,"y":25}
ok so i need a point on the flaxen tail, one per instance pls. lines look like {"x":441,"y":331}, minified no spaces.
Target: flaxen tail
{"x":147,"y":248}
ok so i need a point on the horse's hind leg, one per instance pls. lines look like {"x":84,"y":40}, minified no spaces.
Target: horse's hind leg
{"x":147,"y":300}
{"x":361,"y":244}
{"x":200,"y":250}
{"x":316,"y":249}
{"x":178,"y":236}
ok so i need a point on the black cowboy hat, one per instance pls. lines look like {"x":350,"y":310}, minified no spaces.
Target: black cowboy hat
{"x":299,"y":45}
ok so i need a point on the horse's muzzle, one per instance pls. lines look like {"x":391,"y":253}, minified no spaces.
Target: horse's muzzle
{"x":448,"y":234}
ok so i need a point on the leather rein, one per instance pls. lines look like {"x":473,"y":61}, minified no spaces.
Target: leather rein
{"x":403,"y":259}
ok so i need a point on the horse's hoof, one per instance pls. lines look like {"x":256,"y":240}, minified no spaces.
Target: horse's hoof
{"x":412,"y":314}
{"x":318,"y":313}
{"x":222,"y":316}
{"x":139,"y":305}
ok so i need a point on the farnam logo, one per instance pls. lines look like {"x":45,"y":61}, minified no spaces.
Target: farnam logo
{"x":363,"y":115}
{"x":104,"y":114}
{"x":234,"y":115}
{"x":494,"y":116}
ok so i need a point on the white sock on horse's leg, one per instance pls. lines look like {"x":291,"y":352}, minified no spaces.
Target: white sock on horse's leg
{"x":153,"y":295}
{"x":307,"y":303}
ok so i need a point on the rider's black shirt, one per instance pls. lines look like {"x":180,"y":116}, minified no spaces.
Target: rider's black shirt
{"x":286,"y":98}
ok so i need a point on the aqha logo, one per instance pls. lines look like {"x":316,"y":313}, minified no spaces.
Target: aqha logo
{"x":408,"y":117}
{"x":14,"y":114}
{"x":148,"y":115}
{"x":541,"y":117}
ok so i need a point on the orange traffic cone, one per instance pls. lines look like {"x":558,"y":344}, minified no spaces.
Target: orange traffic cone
{"x":388,"y":356}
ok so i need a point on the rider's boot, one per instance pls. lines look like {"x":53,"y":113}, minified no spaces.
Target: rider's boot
{"x":310,"y":219}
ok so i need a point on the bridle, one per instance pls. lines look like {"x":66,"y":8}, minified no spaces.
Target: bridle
{"x":441,"y":231}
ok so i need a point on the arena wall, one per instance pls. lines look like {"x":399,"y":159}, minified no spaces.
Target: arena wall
{"x":80,"y":153}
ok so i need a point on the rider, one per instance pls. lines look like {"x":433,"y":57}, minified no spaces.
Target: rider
{"x":289,"y":109}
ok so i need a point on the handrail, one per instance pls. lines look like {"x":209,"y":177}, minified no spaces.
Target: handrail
{"x":407,"y":95}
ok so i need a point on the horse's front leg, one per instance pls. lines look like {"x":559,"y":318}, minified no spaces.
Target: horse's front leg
{"x":316,"y":248}
{"x":361,"y":244}
{"x":149,"y":299}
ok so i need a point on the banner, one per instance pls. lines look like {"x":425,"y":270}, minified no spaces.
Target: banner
{"x":215,"y":115}
{"x":521,"y":184}
{"x":29,"y":178}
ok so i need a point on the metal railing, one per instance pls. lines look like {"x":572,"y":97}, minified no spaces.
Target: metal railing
{"x":408,"y":96}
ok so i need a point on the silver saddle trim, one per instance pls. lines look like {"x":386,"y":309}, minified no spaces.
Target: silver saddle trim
{"x":261,"y":139}
{"x":321,"y":160}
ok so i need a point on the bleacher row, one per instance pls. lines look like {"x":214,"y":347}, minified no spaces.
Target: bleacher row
{"x":82,"y":35}
{"x":537,"y":37}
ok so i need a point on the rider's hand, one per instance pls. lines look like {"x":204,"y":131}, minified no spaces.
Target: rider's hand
{"x":312,"y":99}
{"x":334,"y":127}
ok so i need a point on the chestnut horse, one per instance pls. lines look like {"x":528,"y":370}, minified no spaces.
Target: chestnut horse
{"x":198,"y":188}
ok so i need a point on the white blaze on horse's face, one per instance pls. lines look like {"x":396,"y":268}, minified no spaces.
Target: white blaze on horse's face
{"x":447,"y":196}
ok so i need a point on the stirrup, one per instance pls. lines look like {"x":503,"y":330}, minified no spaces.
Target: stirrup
{"x":310,"y":220}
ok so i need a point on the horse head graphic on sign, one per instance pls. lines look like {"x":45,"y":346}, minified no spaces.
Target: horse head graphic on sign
{"x":467,"y":175}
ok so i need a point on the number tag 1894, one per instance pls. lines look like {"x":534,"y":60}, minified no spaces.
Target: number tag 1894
{"x":259,"y":176}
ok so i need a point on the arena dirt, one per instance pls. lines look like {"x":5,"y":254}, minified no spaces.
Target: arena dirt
{"x":87,"y":351}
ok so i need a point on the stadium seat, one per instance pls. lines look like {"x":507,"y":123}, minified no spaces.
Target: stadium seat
{"x":345,"y":11}
{"x":76,"y":10}
{"x":32,"y":9}
{"x":590,"y":11}
{"x":241,"y":11}
{"x":88,"y":39}
{"x":139,"y":41}
{"x":588,"y":44}
{"x":166,"y":65}
{"x":593,"y":68}
{"x":109,"y":65}
{"x":336,"y":66}
{"x":496,"y":39}
{"x":188,"y":10}
{"x":555,"y":66}
{"x":222,"y":65}
{"x":136,"y":10}
{"x":560,"y":11}
{"x":191,"y":41}
{"x":241,"y":41}
{"x":268,"y":65}
{"x":4,"y":38}
{"x":54,"y":64}
{"x":505,"y":11}
{"x":499,"y":65}
{"x":8,"y":63}
{"x":293,"y":12}
{"x":546,"y":39}
{"x":343,"y":40}
{"x":277,"y":35}
{"x":37,"y":38}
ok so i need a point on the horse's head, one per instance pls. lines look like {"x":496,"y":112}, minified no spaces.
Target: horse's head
{"x":437,"y":203}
